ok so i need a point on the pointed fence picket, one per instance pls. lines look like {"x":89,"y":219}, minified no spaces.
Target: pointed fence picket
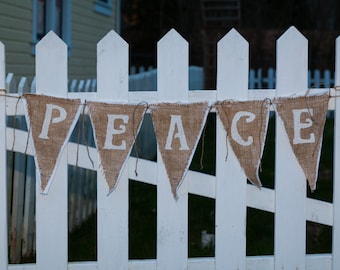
{"x":336,"y":175}
{"x":232,"y":63}
{"x":172,"y":215}
{"x":228,"y":187}
{"x":289,"y":178}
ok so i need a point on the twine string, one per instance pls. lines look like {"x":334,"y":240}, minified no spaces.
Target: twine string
{"x":203,"y":141}
{"x":134,"y":129}
{"x":84,"y":136}
{"x":336,"y":89}
{"x":15,"y":122}
{"x":312,"y":118}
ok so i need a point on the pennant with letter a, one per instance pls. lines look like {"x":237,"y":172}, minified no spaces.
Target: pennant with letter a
{"x":178,"y":128}
{"x":115,"y":129}
{"x":304,"y":119}
{"x":51,"y":121}
{"x":246,"y":125}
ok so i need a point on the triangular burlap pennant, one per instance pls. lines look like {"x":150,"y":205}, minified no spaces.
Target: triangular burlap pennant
{"x":115,"y":129}
{"x":178,"y":128}
{"x":246,"y":125}
{"x":51,"y":121}
{"x":304,"y":120}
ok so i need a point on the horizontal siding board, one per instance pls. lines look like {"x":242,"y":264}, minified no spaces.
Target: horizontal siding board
{"x":16,"y":9}
{"x":14,"y":34}
{"x":16,"y":24}
{"x":88,"y":27}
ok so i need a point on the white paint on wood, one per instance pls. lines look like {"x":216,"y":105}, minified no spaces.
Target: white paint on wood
{"x":3,"y":167}
{"x":336,"y":169}
{"x":232,"y":83}
{"x":51,"y":209}
{"x":172,"y":214}
{"x":112,"y":209}
{"x":313,"y":262}
{"x":290,"y":182}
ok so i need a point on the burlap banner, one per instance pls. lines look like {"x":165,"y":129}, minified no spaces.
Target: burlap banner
{"x":304,"y":119}
{"x":51,"y":121}
{"x":178,"y":128}
{"x":115,"y":128}
{"x":246,"y":125}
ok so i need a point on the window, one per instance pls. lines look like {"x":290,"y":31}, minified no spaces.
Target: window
{"x":103,"y":7}
{"x":52,"y":15}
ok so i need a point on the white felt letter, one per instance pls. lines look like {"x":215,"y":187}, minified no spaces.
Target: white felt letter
{"x":48,"y":119}
{"x":176,"y":120}
{"x":298,"y":126}
{"x":234,"y":132}
{"x":110,"y":131}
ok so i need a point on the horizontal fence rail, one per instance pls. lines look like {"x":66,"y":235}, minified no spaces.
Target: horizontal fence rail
{"x":228,"y":187}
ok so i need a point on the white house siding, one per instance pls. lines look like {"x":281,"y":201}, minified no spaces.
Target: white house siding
{"x":16,"y":34}
{"x":88,"y":27}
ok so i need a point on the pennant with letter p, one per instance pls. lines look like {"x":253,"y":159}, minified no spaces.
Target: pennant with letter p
{"x":246,"y":125}
{"x":178,"y":128}
{"x":115,"y":128}
{"x":51,"y":121}
{"x":304,"y":119}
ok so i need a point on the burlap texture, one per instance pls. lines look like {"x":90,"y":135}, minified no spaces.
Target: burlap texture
{"x":306,"y":132}
{"x":178,"y":128}
{"x":115,"y":149}
{"x":50,"y":131}
{"x":246,"y":125}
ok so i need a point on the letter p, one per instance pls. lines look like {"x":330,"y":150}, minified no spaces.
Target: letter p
{"x":48,"y":119}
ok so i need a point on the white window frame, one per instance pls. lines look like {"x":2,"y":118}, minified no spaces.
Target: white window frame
{"x":51,"y":22}
{"x":103,"y":7}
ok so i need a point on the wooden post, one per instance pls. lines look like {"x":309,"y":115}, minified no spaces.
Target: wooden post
{"x":3,"y":166}
{"x":113,"y":209}
{"x":51,"y":209}
{"x":290,"y":182}
{"x":232,"y":83}
{"x":172,"y":215}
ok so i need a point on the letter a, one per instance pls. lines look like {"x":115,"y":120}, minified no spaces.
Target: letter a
{"x":48,"y":119}
{"x":176,"y":120}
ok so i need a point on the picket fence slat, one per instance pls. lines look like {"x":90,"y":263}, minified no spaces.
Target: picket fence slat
{"x":229,"y":187}
{"x":172,"y":215}
{"x":232,"y":66}
{"x":336,"y":173}
{"x":290,"y":237}
{"x":3,"y":167}
{"x":51,"y":209}
{"x":112,"y":229}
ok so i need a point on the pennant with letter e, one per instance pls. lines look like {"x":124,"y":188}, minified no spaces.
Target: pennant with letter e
{"x":51,"y":121}
{"x":246,"y":125}
{"x":178,"y":128}
{"x":304,"y":119}
{"x":115,"y":129}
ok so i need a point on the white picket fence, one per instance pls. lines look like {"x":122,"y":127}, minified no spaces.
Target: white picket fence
{"x":81,"y":203}
{"x":259,"y":79}
{"x":228,"y":186}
